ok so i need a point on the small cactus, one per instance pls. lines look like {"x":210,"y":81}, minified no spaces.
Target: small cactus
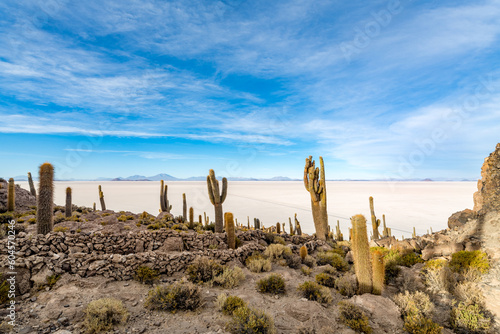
{"x":231,"y":241}
{"x":378,"y":269}
{"x":45,"y":200}
{"x":339,"y":235}
{"x":361,"y":253}
{"x":200,"y":221}
{"x":217,"y":199}
{"x":278,"y":228}
{"x":375,"y":221}
{"x":32,"y":185}
{"x":414,"y":234}
{"x":303,"y":252}
{"x":298,"y":229}
{"x":11,"y":196}
{"x":256,"y":224}
{"x":291,"y":225}
{"x":385,"y":231}
{"x":101,"y":198}
{"x":68,"y":209}
{"x":93,"y":207}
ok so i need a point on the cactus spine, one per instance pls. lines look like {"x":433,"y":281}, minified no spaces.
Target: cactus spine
{"x":216,"y":199}
{"x":164,"y":203}
{"x":101,"y":198}
{"x":68,"y":209}
{"x":314,"y":182}
{"x":378,"y":272}
{"x":45,"y":200}
{"x":32,"y":185}
{"x":303,"y":252}
{"x":361,"y":253}
{"x":231,"y":241}
{"x":375,"y":221}
{"x":11,"y":195}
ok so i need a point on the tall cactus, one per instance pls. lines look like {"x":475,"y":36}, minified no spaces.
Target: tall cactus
{"x":11,"y":196}
{"x":256,"y":224}
{"x":200,"y":221}
{"x":291,"y":225}
{"x":191,"y":217}
{"x":375,"y":221}
{"x":315,"y":184}
{"x":45,"y":200}
{"x":231,"y":240}
{"x":339,"y":235}
{"x":278,"y":228}
{"x":32,"y":185}
{"x":101,"y":198}
{"x":216,"y":199}
{"x":93,"y":207}
{"x":184,"y":207}
{"x":68,"y":209}
{"x":164,"y":203}
{"x":361,"y":253}
{"x":378,"y":272}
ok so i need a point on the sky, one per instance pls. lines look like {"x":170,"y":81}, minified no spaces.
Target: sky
{"x":381,"y":89}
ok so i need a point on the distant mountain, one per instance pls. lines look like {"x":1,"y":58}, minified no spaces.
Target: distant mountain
{"x":162,"y":176}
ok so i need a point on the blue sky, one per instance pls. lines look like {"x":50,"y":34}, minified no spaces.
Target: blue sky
{"x":393,"y":89}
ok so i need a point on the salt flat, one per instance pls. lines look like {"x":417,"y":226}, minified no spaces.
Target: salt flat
{"x":405,"y":204}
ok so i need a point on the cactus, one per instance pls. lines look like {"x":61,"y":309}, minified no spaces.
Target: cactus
{"x":101,"y":198}
{"x":414,"y":234}
{"x":278,"y":228}
{"x":375,"y":221}
{"x":256,"y":224}
{"x":378,"y":269}
{"x":385,"y":230}
{"x":191,"y":217}
{"x":283,"y":227}
{"x":298,"y":229}
{"x":231,"y":241}
{"x":164,"y":203}
{"x":291,"y":225}
{"x":200,"y":221}
{"x":431,"y":230}
{"x":315,"y":184}
{"x":215,"y":198}
{"x":248,"y":222}
{"x":32,"y":185}
{"x":303,"y":252}
{"x":184,"y":207}
{"x":205,"y":218}
{"x":339,"y":235}
{"x":361,"y":253}
{"x":45,"y":200}
{"x":11,"y":195}
{"x":68,"y":211}
{"x":93,"y":207}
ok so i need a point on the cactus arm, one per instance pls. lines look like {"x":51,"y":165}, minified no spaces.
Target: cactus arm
{"x":224,"y":190}
{"x":210,"y":191}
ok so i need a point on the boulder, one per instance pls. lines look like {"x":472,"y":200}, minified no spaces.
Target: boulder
{"x":441,"y":250}
{"x":460,"y":218}
{"x":383,"y":313}
{"x":172,"y":244}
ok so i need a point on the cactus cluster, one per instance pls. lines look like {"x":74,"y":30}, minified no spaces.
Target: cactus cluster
{"x":217,"y":198}
{"x":298,"y":229}
{"x":370,"y":272}
{"x":32,"y":185}
{"x":164,"y":203}
{"x":315,"y":184}
{"x":45,"y":199}
{"x":11,"y":196}
{"x":68,"y":209}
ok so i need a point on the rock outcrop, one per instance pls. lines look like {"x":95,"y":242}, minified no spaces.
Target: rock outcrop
{"x":24,"y":200}
{"x":487,"y":197}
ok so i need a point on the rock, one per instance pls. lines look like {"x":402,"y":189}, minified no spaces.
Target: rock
{"x":24,"y":199}
{"x":487,"y":197}
{"x":460,"y":218}
{"x":62,"y":331}
{"x":172,"y":244}
{"x":441,"y":250}
{"x":383,"y":312}
{"x":40,"y":278}
{"x":165,"y":216}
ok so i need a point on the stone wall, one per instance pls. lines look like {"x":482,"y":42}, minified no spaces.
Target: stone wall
{"x":117,"y":256}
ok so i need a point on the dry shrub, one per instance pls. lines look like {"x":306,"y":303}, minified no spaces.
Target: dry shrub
{"x":228,"y":304}
{"x":230,"y":278}
{"x":354,"y":317}
{"x":247,"y":320}
{"x":104,"y":314}
{"x":277,"y":251}
{"x":273,"y":284}
{"x":174,"y":297}
{"x":415,"y":302}
{"x":203,"y":270}
{"x":469,"y":292}
{"x":256,"y":263}
{"x":315,"y":292}
{"x":469,"y":319}
{"x":346,"y":285}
